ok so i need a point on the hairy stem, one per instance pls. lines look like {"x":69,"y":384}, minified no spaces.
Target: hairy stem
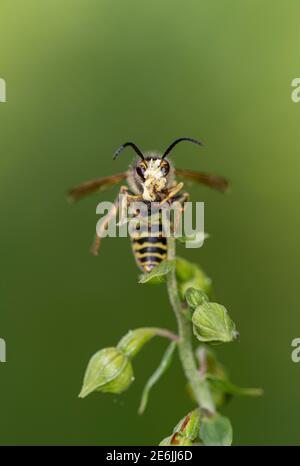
{"x":199,"y":386}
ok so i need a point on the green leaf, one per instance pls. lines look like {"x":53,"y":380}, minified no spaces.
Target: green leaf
{"x":195,"y":297}
{"x":163,"y":366}
{"x":158,"y":272}
{"x":213,"y":324}
{"x":216,"y":431}
{"x":231,"y":389}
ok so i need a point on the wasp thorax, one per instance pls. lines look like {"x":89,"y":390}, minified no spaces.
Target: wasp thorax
{"x":155,"y":178}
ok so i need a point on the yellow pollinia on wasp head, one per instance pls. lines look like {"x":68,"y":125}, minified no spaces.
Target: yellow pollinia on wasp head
{"x":150,"y":179}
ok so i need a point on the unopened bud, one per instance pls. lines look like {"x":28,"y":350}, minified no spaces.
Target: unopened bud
{"x":166,"y":442}
{"x":109,"y":371}
{"x":176,"y":440}
{"x":189,"y":426}
{"x":213,"y":324}
{"x":181,"y":441}
{"x":186,"y":431}
{"x":195,"y":297}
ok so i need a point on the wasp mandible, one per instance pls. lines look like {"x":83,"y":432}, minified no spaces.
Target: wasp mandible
{"x":151,"y":178}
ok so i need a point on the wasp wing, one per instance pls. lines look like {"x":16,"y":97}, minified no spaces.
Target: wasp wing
{"x":93,"y":186}
{"x":213,"y":181}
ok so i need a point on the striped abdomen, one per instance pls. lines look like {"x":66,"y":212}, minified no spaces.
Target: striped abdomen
{"x":149,"y":251}
{"x":149,"y":242}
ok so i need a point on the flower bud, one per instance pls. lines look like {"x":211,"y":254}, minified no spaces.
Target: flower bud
{"x":109,"y":370}
{"x":181,"y":441}
{"x":189,"y":426}
{"x":186,"y":431}
{"x":166,"y":442}
{"x":195,"y":297}
{"x":213,"y":324}
{"x":176,"y":440}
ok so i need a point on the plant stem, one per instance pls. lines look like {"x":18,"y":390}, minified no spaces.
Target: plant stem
{"x":199,"y":386}
{"x":162,"y":332}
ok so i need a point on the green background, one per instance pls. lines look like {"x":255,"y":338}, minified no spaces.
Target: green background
{"x":84,"y":76}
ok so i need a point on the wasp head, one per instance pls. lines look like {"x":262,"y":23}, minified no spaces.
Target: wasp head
{"x":151,"y":174}
{"x":153,"y":177}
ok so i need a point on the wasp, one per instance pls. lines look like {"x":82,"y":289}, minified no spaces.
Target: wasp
{"x":150,"y":178}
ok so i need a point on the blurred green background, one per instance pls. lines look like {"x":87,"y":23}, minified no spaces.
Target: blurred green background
{"x":84,"y":76}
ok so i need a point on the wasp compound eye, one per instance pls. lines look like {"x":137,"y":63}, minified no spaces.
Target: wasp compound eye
{"x":165,"y":168}
{"x":140,"y":169}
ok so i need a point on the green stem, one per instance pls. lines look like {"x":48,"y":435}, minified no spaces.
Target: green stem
{"x":199,"y":386}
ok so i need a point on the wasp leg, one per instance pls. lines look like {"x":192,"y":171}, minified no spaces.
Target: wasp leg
{"x":130,"y":197}
{"x":182,"y":199}
{"x":179,"y":201}
{"x":126,"y":199}
{"x":171,"y":194}
{"x":111,"y":214}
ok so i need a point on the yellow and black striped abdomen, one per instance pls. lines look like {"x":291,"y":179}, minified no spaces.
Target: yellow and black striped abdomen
{"x":149,"y":251}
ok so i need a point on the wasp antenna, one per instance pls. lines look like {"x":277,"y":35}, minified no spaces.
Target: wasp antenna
{"x":131,"y":144}
{"x":195,"y":141}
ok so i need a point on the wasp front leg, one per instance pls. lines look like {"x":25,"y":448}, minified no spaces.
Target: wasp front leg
{"x":120,"y":205}
{"x":172,"y":193}
{"x":130,"y":197}
{"x":182,"y":199}
{"x":179,"y":203}
{"x":126,"y":198}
